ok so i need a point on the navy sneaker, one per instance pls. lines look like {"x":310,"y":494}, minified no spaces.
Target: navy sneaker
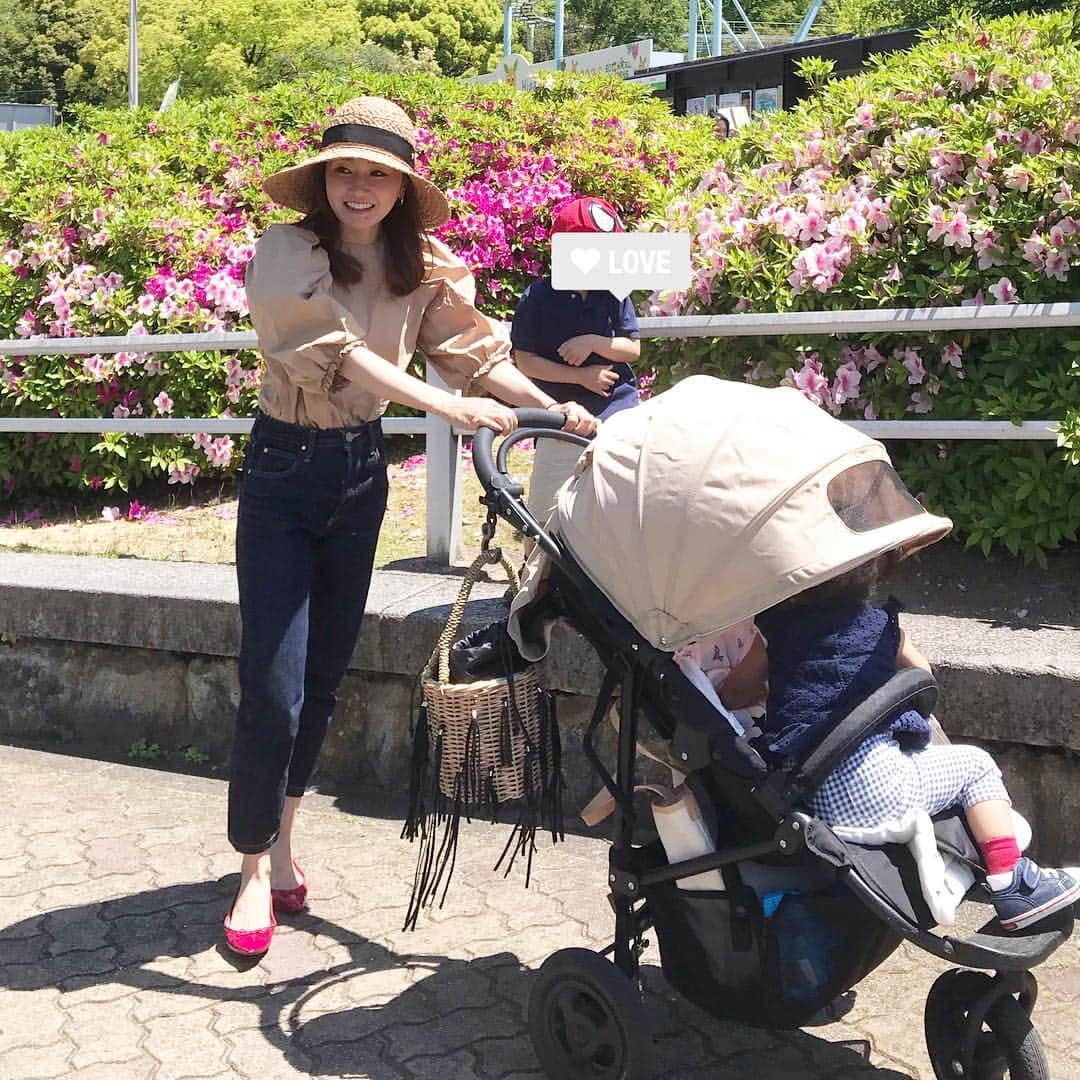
{"x":1033,"y":894}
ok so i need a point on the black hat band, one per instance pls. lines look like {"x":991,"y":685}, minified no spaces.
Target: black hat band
{"x":367,"y":135}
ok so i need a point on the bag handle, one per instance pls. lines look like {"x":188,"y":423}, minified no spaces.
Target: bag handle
{"x":439,"y":663}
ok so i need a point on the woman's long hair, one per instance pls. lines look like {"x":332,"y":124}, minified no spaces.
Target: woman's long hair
{"x":403,"y":242}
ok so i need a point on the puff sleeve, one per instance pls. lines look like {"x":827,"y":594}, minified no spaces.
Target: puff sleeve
{"x":299,"y":323}
{"x":460,"y":341}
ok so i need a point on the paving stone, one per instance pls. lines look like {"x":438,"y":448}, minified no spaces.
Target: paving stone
{"x":457,"y":1066}
{"x":103,"y":1033}
{"x":38,"y":1062}
{"x":187,"y":1042}
{"x":30,"y":1017}
{"x":266,"y":1055}
{"x":142,"y":1067}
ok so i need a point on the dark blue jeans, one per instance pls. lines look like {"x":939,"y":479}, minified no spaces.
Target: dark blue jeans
{"x":311,"y":504}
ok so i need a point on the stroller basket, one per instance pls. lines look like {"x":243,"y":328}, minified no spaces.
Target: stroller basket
{"x":720,"y":950}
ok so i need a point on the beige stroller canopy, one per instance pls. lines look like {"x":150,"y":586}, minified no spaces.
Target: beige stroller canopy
{"x":716,"y":500}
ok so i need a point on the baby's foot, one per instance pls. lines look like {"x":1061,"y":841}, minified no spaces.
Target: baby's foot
{"x":1033,"y":894}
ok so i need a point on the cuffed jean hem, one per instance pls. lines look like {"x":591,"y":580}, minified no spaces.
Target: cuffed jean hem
{"x":254,"y":849}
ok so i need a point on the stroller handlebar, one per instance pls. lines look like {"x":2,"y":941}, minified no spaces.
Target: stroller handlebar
{"x":484,"y":440}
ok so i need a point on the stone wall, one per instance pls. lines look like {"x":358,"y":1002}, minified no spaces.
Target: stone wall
{"x":98,"y":654}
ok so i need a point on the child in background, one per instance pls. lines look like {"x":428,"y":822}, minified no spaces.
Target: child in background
{"x":827,"y":649}
{"x":576,"y":346}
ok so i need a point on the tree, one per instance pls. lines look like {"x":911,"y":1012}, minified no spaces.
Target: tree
{"x":39,"y":42}
{"x":871,"y":16}
{"x":463,"y":34}
{"x":213,"y":46}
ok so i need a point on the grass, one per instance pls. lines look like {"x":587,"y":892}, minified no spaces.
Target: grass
{"x":199,"y":525}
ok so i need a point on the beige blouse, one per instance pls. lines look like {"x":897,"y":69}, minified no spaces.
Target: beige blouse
{"x":309,"y":326}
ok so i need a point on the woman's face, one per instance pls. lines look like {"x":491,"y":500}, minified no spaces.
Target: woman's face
{"x":361,"y":194}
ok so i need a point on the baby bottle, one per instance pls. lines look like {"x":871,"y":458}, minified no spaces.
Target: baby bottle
{"x":684,"y":833}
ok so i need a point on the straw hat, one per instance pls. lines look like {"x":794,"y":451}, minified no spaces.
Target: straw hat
{"x":371,"y":129}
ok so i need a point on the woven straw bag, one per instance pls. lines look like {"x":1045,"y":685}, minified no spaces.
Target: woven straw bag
{"x":484,"y":735}
{"x":476,"y":745}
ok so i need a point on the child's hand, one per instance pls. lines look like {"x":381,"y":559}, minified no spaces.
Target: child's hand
{"x":576,"y":350}
{"x":598,"y":379}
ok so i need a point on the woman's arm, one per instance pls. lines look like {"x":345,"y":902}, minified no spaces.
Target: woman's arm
{"x":382,"y":378}
{"x":506,"y":382}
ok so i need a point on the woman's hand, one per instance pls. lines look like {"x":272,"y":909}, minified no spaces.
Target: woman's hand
{"x":579,"y":421}
{"x":576,"y":350}
{"x":598,"y":378}
{"x":475,"y":412}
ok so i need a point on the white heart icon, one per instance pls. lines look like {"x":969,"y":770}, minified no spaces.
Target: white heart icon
{"x":585,"y":258}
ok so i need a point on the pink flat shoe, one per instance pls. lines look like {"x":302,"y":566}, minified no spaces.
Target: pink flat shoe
{"x":291,"y":901}
{"x":249,"y":942}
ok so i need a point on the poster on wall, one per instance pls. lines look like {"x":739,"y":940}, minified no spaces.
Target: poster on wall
{"x":695,"y":106}
{"x":767,"y":99}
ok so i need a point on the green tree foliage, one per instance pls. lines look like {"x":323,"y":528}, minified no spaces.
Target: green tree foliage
{"x":871,"y":16}
{"x":39,"y":42}
{"x":213,"y":46}
{"x":600,"y":23}
{"x":464,"y":35}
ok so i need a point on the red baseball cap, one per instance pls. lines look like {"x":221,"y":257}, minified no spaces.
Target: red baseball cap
{"x":587,"y":215}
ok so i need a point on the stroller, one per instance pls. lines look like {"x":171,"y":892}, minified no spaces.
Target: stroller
{"x":700,"y":508}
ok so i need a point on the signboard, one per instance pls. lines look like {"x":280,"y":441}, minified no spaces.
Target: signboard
{"x":15,"y":117}
{"x":695,"y":106}
{"x":767,"y":100}
{"x":624,"y":60}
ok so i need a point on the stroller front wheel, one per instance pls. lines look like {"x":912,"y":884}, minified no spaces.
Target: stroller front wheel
{"x":1006,"y":1042}
{"x":586,"y":1020}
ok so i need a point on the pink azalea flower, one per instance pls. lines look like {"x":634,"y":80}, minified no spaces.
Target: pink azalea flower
{"x":1034,"y":248}
{"x":1030,"y":142}
{"x":183,"y":474}
{"x":1017,"y":178}
{"x":810,"y":381}
{"x":1057,"y":266}
{"x":1004,"y":291}
{"x":869,"y":413}
{"x":1039,"y":80}
{"x":76,"y":463}
{"x":136,"y":511}
{"x":104,"y":138}
{"x":894,"y":274}
{"x":219,"y":452}
{"x":846,"y":384}
{"x":953,"y":355}
{"x":111,"y":513}
{"x":163,"y":403}
{"x":967,"y":78}
{"x":913,"y":362}
{"x":1072,"y":132}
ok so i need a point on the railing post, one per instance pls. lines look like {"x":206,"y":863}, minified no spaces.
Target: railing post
{"x":443,"y":485}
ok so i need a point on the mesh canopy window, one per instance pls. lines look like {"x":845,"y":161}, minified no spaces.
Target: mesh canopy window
{"x":870,"y":496}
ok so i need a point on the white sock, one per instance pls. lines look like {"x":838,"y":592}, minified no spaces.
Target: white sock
{"x":997,"y":882}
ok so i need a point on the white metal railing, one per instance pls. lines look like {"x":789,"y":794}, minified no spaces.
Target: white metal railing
{"x":443,"y":444}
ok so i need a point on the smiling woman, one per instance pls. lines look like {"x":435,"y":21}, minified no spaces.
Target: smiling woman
{"x":340,"y":302}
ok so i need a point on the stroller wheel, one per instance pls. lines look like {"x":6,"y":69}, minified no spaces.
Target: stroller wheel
{"x":1006,"y":1045}
{"x":586,"y":1020}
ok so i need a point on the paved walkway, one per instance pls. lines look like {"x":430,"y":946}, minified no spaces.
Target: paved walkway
{"x":114,"y":880}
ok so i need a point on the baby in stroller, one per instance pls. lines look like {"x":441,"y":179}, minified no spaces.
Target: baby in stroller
{"x":826,"y":650}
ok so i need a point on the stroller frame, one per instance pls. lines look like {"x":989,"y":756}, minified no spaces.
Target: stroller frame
{"x":960,"y":1003}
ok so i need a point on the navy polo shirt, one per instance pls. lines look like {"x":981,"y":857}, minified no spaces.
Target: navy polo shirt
{"x":547,"y":317}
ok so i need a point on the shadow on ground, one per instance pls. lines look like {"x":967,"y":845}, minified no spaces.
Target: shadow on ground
{"x":378,"y":1014}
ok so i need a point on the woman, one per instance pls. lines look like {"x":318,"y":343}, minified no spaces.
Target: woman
{"x":340,"y":301}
